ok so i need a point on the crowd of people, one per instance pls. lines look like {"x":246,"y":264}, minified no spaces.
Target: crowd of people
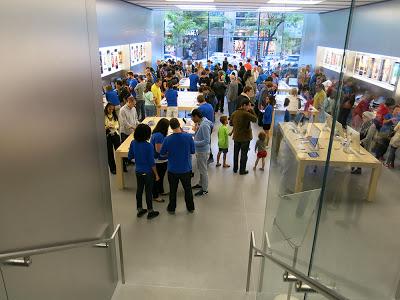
{"x":249,"y":93}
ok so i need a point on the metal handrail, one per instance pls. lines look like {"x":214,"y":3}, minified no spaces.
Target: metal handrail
{"x":316,"y":285}
{"x":26,"y":253}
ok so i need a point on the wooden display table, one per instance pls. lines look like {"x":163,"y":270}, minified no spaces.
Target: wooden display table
{"x":338,"y":157}
{"x":187,"y":101}
{"x":123,"y":149}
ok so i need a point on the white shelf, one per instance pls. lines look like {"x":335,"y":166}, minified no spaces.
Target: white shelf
{"x":374,"y":82}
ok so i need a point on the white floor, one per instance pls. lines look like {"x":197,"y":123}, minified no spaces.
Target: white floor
{"x":199,"y":256}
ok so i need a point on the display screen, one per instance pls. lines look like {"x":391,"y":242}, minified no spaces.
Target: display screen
{"x":395,"y":73}
{"x":110,"y":60}
{"x":140,"y":53}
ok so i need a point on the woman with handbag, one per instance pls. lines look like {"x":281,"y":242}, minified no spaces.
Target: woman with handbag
{"x":113,"y":139}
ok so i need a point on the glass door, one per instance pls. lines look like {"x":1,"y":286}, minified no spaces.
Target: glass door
{"x":335,"y":216}
{"x":305,"y":151}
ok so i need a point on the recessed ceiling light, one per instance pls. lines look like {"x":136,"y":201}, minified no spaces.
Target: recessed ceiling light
{"x":278,"y":9}
{"x":299,"y":2}
{"x":196,"y":7}
{"x":194,"y":1}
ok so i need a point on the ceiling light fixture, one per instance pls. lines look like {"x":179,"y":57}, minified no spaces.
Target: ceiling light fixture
{"x":299,"y":2}
{"x":194,"y":1}
{"x":197,"y":7}
{"x":278,"y":9}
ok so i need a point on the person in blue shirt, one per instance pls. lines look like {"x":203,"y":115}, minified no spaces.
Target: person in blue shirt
{"x":171,"y":95}
{"x":132,"y":84}
{"x":206,"y":108}
{"x":160,"y":132}
{"x":142,"y":151}
{"x":261,"y":78}
{"x":267,"y":117}
{"x":194,"y":80}
{"x":112,"y":97}
{"x":179,"y":147}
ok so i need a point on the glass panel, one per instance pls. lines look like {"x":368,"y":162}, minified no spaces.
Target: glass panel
{"x":301,"y":141}
{"x":186,"y":34}
{"x":357,"y":248}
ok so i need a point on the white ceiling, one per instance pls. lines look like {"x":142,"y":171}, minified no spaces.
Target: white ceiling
{"x":252,"y":5}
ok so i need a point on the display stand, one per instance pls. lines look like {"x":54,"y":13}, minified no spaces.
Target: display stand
{"x":291,"y":224}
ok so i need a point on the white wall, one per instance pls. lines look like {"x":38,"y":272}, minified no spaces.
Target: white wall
{"x":374,"y":30}
{"x":121,"y":23}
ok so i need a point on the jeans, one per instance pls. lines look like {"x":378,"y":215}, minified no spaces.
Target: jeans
{"x":150,"y":110}
{"x":158,"y":187}
{"x":113,"y":142}
{"x":186,"y":180}
{"x":202,"y":158}
{"x":140,"y":110}
{"x":231,"y":107}
{"x":172,"y":112}
{"x":243,"y":148}
{"x":220,"y":104}
{"x":391,"y":156}
{"x":144,"y":182}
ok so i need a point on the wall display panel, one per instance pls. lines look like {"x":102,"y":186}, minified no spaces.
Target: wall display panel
{"x":111,"y":60}
{"x":140,"y":53}
{"x":380,"y":70}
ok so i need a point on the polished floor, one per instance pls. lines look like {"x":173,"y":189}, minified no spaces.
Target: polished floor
{"x":204,"y":255}
{"x":199,"y":256}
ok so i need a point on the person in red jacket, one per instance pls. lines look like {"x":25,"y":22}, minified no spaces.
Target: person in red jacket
{"x":382,"y":111}
{"x":361,"y":107}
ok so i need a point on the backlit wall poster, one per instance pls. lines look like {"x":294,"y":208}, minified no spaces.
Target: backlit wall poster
{"x":395,"y":73}
{"x":111,"y":60}
{"x":332,"y":59}
{"x":140,"y":53}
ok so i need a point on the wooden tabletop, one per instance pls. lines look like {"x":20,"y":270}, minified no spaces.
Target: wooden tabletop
{"x":338,"y":156}
{"x":123,"y":150}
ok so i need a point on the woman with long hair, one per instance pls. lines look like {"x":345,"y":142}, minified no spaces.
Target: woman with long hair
{"x":146,"y":173}
{"x":113,"y":139}
{"x":160,"y":132}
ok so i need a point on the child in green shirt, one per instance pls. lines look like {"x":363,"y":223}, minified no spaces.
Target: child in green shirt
{"x":223,"y":141}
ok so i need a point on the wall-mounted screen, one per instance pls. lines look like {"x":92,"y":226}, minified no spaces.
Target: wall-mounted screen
{"x":140,"y":53}
{"x":111,"y":60}
{"x":395,"y":73}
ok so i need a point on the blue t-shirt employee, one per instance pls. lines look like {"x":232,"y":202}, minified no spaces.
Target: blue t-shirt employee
{"x":143,"y":153}
{"x":179,"y":147}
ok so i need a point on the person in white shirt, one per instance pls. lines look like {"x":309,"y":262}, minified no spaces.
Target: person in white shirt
{"x":128,"y":120}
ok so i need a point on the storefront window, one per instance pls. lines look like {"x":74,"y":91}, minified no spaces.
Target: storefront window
{"x":211,"y":35}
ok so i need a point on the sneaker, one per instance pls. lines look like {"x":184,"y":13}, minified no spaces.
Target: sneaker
{"x":197,"y":186}
{"x":171,"y":212}
{"x":389,"y":166}
{"x":244,"y":172}
{"x":153,"y":214}
{"x":201,"y":193}
{"x":218,"y":165}
{"x":227,"y":166}
{"x":191,"y":211}
{"x":141,"y":213}
{"x":235,"y":171}
{"x":210,"y":160}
